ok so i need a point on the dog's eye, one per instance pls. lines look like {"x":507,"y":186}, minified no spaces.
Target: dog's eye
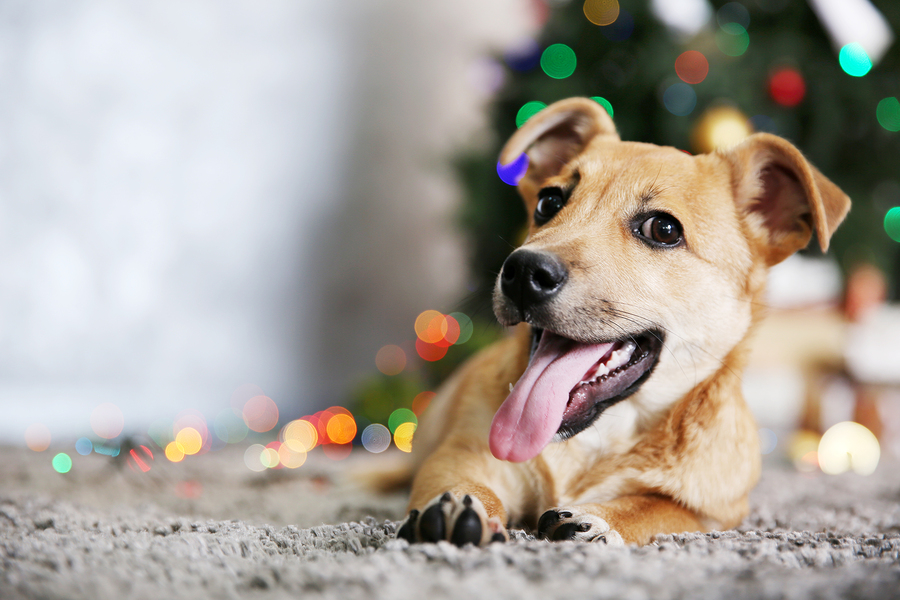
{"x":663,"y":229}
{"x":550,"y":201}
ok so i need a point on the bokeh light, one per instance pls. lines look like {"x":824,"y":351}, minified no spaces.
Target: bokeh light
{"x":252,"y":457}
{"x":84,"y":446}
{"x":403,"y":436}
{"x":892,"y":223}
{"x":692,"y":67}
{"x":680,"y":99}
{"x":720,"y":127}
{"x":786,"y":87}
{"x":37,"y":437}
{"x":430,"y":352}
{"x":376,"y":438}
{"x":401,"y":416}
{"x":139,"y":459}
{"x":466,"y":327}
{"x":849,"y":446}
{"x":107,"y":421}
{"x":733,"y":12}
{"x":260,"y":414}
{"x":269,"y":457}
{"x":888,"y":113}
{"x":111,"y":450}
{"x":341,"y":429}
{"x":732,"y":39}
{"x":421,"y":402}
{"x":601,"y":12}
{"x":803,"y":450}
{"x":300,"y":435}
{"x":291,"y":458}
{"x":189,"y":440}
{"x":558,"y":61}
{"x":194,"y":420}
{"x":512,"y":173}
{"x":174,"y":452}
{"x":604,"y":103}
{"x":431,"y":326}
{"x":229,"y":427}
{"x":528,"y":110}
{"x":854,"y":60}
{"x":62,"y":463}
{"x":768,"y":440}
{"x":390,"y":359}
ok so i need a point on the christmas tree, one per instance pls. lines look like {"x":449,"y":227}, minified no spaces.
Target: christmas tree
{"x":766,"y":65}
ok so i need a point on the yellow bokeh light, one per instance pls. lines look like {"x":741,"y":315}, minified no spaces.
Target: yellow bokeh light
{"x":403,"y":436}
{"x":190,"y":440}
{"x":269,"y":458}
{"x":174,"y":452}
{"x":289,"y":458}
{"x":431,"y":326}
{"x":849,"y":446}
{"x":300,"y":436}
{"x":802,"y":449}
{"x":341,"y":429}
{"x":720,"y":127}
{"x":601,"y":12}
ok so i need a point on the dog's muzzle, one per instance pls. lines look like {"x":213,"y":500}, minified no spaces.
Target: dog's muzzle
{"x":530,"y":279}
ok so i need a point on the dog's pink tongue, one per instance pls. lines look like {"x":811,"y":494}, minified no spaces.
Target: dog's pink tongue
{"x":532,"y":413}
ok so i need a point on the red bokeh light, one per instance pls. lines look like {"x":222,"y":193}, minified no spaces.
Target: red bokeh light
{"x":787,"y":87}
{"x":692,"y":67}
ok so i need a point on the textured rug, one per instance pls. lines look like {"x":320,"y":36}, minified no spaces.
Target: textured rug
{"x":210,"y":528}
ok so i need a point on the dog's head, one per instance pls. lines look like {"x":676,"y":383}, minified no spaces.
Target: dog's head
{"x":642,"y":265}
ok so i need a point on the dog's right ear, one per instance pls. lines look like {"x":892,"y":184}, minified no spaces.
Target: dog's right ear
{"x":553,"y":137}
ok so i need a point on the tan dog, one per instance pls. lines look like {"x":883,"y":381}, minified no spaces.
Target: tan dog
{"x":614,"y":412}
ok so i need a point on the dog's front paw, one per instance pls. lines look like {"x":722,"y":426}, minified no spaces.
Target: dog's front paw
{"x":459,"y":521}
{"x":574,"y":524}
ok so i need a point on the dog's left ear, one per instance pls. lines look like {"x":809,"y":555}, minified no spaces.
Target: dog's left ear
{"x":782,"y":197}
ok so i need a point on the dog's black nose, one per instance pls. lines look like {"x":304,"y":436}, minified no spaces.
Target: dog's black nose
{"x":530,"y":278}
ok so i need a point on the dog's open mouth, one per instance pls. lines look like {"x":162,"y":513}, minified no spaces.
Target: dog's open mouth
{"x":566,"y":386}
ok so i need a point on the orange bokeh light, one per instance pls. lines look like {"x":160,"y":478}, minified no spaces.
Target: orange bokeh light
{"x":341,"y":429}
{"x":390,"y":360}
{"x":260,"y":414}
{"x":37,"y":437}
{"x":421,"y":402}
{"x":300,"y":435}
{"x":692,"y":67}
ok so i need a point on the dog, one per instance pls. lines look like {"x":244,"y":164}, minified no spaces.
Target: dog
{"x":613,"y":412}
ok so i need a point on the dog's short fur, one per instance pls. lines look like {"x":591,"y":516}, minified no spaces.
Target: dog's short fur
{"x":627,"y":241}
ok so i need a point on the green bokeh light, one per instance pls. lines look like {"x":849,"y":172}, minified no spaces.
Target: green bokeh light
{"x":888,"y":113}
{"x":604,"y":103}
{"x":558,"y":61}
{"x":62,"y":463}
{"x":528,"y":110}
{"x":466,"y":327}
{"x":401,"y":416}
{"x":892,"y":223}
{"x":732,"y":39}
{"x":854,"y":60}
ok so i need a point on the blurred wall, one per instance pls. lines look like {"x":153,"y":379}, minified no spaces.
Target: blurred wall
{"x":208,"y":193}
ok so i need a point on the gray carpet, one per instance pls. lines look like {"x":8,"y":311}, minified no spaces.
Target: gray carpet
{"x":213,"y":529}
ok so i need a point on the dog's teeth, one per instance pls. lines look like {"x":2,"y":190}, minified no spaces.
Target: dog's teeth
{"x":621,"y":356}
{"x":510,"y":388}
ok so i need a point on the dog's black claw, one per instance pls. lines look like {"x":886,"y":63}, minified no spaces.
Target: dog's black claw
{"x":407,"y":531}
{"x":432,"y":527}
{"x":547,"y":520}
{"x":467,"y":529}
{"x":498,"y":537}
{"x":567,"y":531}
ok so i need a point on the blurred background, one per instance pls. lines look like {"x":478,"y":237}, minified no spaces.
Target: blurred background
{"x":277,"y":226}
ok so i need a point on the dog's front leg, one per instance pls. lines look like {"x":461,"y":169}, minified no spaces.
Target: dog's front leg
{"x":456,"y":497}
{"x":625,"y":520}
